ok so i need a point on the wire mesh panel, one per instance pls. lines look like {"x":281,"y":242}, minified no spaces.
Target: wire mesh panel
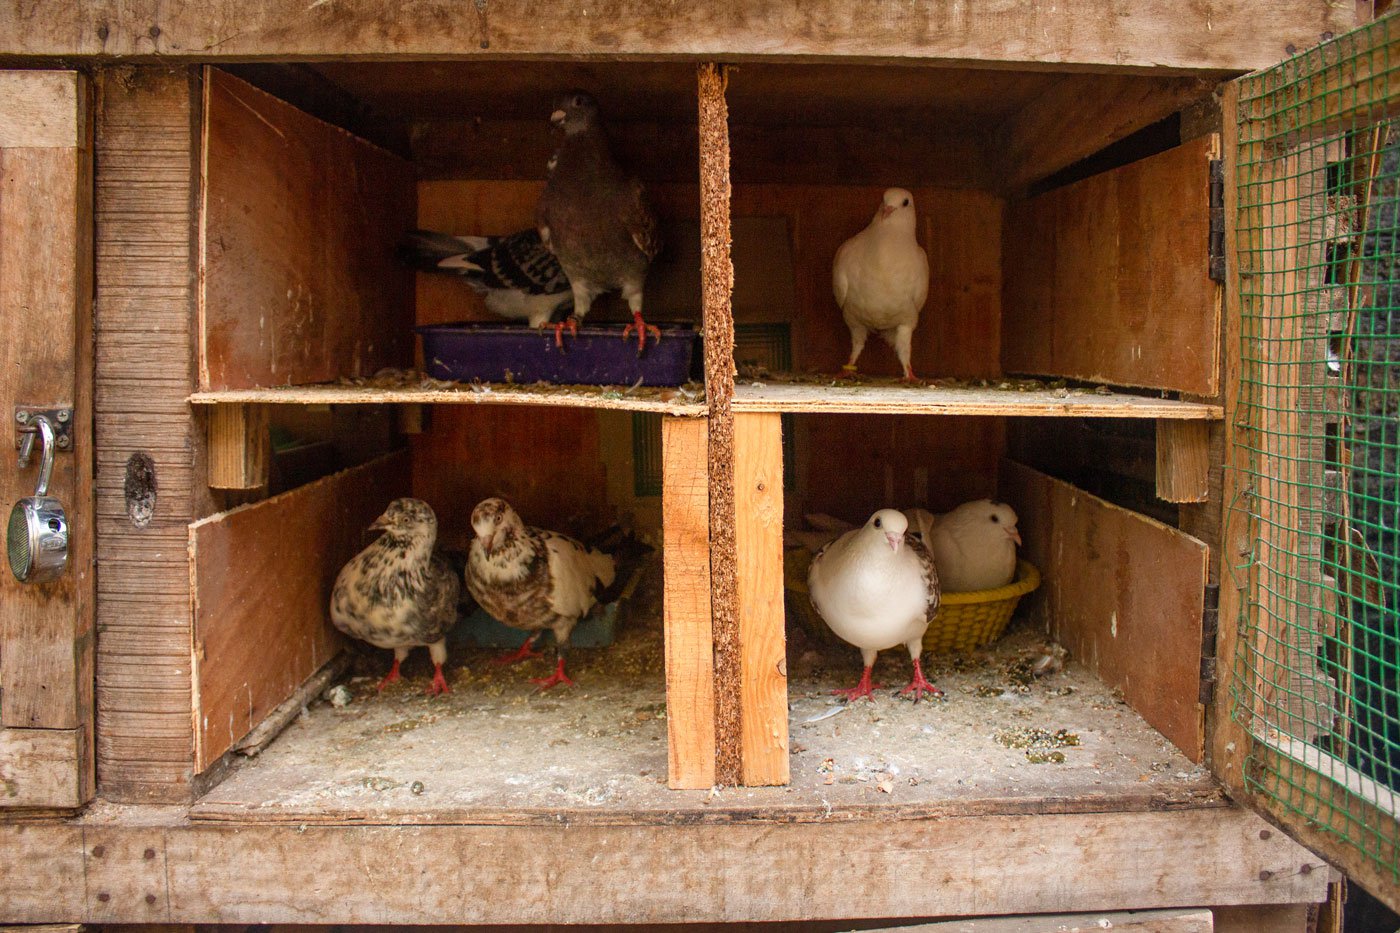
{"x":1318,"y":236}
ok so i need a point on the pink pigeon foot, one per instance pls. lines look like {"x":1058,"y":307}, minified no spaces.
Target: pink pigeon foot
{"x":558,"y":677}
{"x":439,"y":684}
{"x":643,"y":329}
{"x":524,"y":653}
{"x":862,"y":689}
{"x":918,"y":686}
{"x":390,"y":677}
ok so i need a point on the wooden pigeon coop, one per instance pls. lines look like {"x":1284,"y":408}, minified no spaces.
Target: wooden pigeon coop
{"x":1139,"y":261}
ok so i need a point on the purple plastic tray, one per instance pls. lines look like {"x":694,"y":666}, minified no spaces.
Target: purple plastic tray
{"x":596,"y":356}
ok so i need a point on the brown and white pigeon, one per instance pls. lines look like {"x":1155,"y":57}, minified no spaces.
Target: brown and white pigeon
{"x":974,"y":546}
{"x":533,"y":579}
{"x":595,"y":217}
{"x":518,"y":277}
{"x":876,"y":587}
{"x":880,"y":279}
{"x":397,"y":593}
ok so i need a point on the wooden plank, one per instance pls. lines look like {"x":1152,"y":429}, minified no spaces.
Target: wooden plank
{"x":665,"y":401}
{"x":1183,"y":460}
{"x":758,"y":527}
{"x":43,"y":109}
{"x":298,"y":225}
{"x":240,"y":447}
{"x":1263,"y":918}
{"x":717,"y":290}
{"x":46,"y":222}
{"x":261,"y":577}
{"x":1154,"y":34}
{"x":40,"y":767}
{"x":685,"y":517}
{"x":1132,"y":302}
{"x":1124,"y":594}
{"x":1140,"y":921}
{"x":1349,"y":82}
{"x":144,"y":305}
{"x":938,"y":400}
{"x":1081,"y":114}
{"x":751,"y":871}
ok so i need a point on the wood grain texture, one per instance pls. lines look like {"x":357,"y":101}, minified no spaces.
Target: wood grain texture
{"x":1138,"y":921}
{"x":1107,"y":279}
{"x":1155,"y":34}
{"x":716,"y":299}
{"x":1258,"y":918}
{"x":46,"y":333}
{"x":261,"y":578}
{"x":663,"y":401}
{"x":240,"y":447}
{"x":744,"y":872}
{"x":1123,"y":593}
{"x":936,"y":400}
{"x":298,"y":226}
{"x":43,"y":110}
{"x":758,"y":533}
{"x":144,"y":306}
{"x":43,"y":767}
{"x":1183,"y":460}
{"x":690,"y":688}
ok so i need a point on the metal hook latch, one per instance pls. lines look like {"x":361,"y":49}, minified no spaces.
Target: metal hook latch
{"x":27,"y":417}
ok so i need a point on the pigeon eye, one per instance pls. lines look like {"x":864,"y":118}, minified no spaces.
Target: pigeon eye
{"x":906,"y":203}
{"x":877,"y":523}
{"x":995,"y":520}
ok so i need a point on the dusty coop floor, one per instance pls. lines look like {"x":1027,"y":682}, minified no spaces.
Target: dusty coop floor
{"x":494,"y":750}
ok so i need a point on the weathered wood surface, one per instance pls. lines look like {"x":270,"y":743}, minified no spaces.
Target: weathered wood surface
{"x":1183,"y":460}
{"x":298,"y":224}
{"x":664,"y":401}
{"x":738,"y":872}
{"x":758,"y":526}
{"x":240,"y":446}
{"x":1138,"y":921}
{"x":1107,"y":279}
{"x":146,"y":158}
{"x":45,"y":767}
{"x":46,"y":360}
{"x":261,"y":578}
{"x":690,"y":670}
{"x":936,"y":400}
{"x":1157,"y":34}
{"x":1123,"y":593}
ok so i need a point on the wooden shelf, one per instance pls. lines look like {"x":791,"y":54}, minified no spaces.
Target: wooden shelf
{"x":939,"y":400}
{"x":667,"y":401}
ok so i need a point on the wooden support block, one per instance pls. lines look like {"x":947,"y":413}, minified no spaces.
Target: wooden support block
{"x":685,"y":518}
{"x":38,"y":767}
{"x":1183,"y":461}
{"x":240,"y":447}
{"x":758,"y":527}
{"x":411,"y":419}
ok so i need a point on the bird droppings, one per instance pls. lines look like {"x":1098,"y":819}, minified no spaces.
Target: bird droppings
{"x":495,"y":749}
{"x":338,"y":696}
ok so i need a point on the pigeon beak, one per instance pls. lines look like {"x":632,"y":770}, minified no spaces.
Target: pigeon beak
{"x":557,"y":118}
{"x":381,"y":523}
{"x":1014,"y":535}
{"x":894,"y":540}
{"x":886,"y":210}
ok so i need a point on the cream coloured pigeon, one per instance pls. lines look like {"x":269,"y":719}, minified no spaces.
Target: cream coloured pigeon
{"x":532,"y":579}
{"x":876,"y":587}
{"x":880,"y":279}
{"x":974,"y":546}
{"x":397,"y":593}
{"x":517,"y":276}
{"x":595,"y":217}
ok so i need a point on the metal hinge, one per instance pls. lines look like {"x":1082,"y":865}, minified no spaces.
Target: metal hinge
{"x":1217,"y":220}
{"x":1210,"y":627}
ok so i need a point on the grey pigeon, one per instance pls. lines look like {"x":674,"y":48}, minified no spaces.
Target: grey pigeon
{"x":876,"y":587}
{"x":397,"y":593}
{"x":533,"y":579}
{"x":518,"y":277}
{"x":595,"y":217}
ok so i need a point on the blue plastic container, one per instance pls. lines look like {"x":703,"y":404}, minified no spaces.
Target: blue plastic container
{"x":518,"y":353}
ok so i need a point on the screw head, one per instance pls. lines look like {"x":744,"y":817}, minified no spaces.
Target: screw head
{"x":63,"y":415}
{"x":64,"y":442}
{"x":22,"y":417}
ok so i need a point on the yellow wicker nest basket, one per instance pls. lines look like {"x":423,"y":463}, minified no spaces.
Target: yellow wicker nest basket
{"x":964,"y":621}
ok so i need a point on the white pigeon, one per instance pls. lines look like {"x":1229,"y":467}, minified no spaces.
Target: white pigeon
{"x":876,"y":587}
{"x":397,"y":593}
{"x":533,"y":580}
{"x":921,"y":522}
{"x":974,"y":546}
{"x":880,"y":279}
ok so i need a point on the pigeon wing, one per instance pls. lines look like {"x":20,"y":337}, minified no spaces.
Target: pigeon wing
{"x":916,"y":546}
{"x":574,"y":573}
{"x":521,"y":262}
{"x":640,"y":221}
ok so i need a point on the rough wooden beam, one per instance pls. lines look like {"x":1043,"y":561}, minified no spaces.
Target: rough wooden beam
{"x":758,"y":518}
{"x":717,"y":278}
{"x":1160,"y":35}
{"x":690,"y":667}
{"x":749,"y":871}
{"x":1183,"y":461}
{"x":40,"y":768}
{"x":240,"y":447}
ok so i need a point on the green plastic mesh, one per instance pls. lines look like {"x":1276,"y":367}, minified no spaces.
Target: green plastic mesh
{"x":1318,"y":194}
